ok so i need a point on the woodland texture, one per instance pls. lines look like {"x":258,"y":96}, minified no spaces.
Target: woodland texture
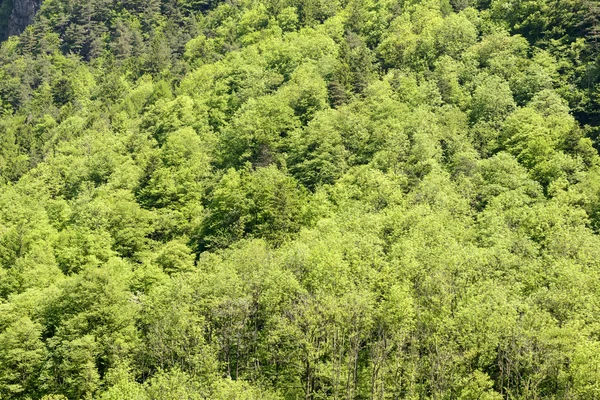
{"x":300,"y":199}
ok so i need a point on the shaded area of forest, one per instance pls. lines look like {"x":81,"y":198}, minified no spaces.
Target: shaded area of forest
{"x":301,"y":199}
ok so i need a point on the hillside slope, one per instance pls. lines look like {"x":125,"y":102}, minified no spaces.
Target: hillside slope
{"x":301,"y":199}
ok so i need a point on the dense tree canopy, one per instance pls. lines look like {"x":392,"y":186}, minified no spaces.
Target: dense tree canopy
{"x":301,"y":199}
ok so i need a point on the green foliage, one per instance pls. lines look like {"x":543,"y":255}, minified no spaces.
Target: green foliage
{"x":288,"y":199}
{"x":266,"y":203}
{"x":22,"y":354}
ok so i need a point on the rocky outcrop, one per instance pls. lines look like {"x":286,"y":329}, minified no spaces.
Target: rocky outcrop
{"x":20,"y":16}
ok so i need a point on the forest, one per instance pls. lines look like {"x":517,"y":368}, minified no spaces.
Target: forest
{"x":300,"y":199}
